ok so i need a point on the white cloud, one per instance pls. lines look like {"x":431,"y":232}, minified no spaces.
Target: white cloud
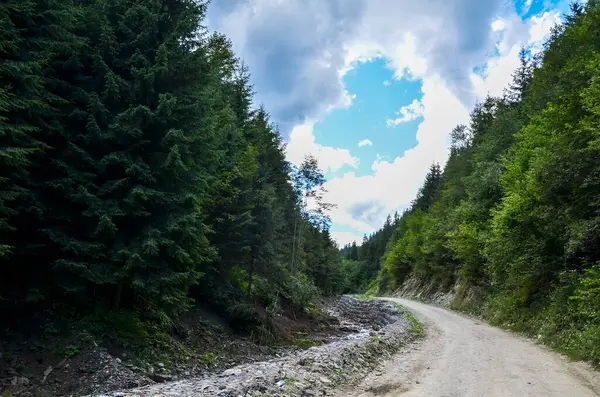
{"x":498,"y":25}
{"x":365,"y":201}
{"x":302,"y":142}
{"x":294,"y":50}
{"x":343,"y":238}
{"x":540,"y":26}
{"x":527,"y":6}
{"x":365,"y":142}
{"x":298,"y":50}
{"x":387,"y":83}
{"x":498,"y":69}
{"x":407,"y":113}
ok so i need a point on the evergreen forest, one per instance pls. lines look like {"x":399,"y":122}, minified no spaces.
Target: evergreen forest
{"x":138,"y":178}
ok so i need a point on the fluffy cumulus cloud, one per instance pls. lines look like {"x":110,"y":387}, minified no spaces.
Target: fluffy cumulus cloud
{"x":407,"y":113}
{"x":343,"y":238}
{"x":365,"y":142}
{"x":497,"y":70}
{"x":302,"y":142}
{"x":299,"y":50}
{"x":498,"y":25}
{"x":294,"y":48}
{"x":364,"y":201}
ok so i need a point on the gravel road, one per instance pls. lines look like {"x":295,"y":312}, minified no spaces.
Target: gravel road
{"x":462,"y":357}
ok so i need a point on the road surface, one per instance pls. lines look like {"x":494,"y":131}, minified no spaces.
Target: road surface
{"x":462,"y":357}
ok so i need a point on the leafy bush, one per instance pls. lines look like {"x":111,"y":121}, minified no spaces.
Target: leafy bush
{"x":208,"y":358}
{"x":300,"y":290}
{"x":586,"y":302}
{"x":244,"y":317}
{"x":71,"y":351}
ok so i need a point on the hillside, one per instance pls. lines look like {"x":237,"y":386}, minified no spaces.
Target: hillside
{"x":511,"y":222}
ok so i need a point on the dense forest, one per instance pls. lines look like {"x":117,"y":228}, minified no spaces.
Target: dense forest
{"x":138,"y":179}
{"x":512,"y":221}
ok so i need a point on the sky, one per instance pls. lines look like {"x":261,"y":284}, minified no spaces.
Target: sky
{"x":373,"y":88}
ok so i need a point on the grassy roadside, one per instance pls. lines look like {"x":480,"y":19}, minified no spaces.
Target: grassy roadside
{"x":417,"y":327}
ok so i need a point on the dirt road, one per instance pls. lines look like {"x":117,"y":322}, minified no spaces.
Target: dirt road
{"x":461,"y":357}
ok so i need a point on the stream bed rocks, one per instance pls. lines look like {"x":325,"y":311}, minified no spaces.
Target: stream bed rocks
{"x":313,"y":372}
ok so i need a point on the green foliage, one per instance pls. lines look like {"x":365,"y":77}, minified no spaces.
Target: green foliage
{"x":377,"y":339}
{"x":208,"y":358}
{"x":130,"y":330}
{"x":417,"y":327}
{"x":245,"y":317}
{"x":70,"y":351}
{"x":299,"y":290}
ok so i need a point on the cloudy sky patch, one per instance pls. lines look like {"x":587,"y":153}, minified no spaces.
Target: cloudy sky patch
{"x":336,"y":72}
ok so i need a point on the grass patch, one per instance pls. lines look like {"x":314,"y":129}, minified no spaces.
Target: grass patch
{"x":364,"y":297}
{"x":417,"y":327}
{"x":378,"y":339}
{"x":208,"y":358}
{"x":304,"y":343}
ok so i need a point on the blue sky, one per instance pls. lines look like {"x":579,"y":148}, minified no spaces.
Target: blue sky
{"x":372,"y":88}
{"x":378,"y":97}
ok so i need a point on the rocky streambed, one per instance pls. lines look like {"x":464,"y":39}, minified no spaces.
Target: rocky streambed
{"x":313,"y":372}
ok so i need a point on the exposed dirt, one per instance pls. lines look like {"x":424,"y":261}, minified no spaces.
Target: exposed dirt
{"x":463,"y":357}
{"x":415,"y":289}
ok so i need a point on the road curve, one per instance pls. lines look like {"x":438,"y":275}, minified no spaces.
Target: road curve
{"x":461,"y":357}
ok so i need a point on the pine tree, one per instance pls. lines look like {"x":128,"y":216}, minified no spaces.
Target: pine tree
{"x":129,"y":165}
{"x":33,"y":37}
{"x":430,"y":189}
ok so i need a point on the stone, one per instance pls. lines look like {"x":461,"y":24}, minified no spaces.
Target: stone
{"x":313,"y":370}
{"x":46,"y":373}
{"x":161,"y":377}
{"x":232,"y":372}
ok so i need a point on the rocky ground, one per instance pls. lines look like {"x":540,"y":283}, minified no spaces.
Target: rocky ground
{"x":45,"y":364}
{"x":313,"y":372}
{"x":233,"y":365}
